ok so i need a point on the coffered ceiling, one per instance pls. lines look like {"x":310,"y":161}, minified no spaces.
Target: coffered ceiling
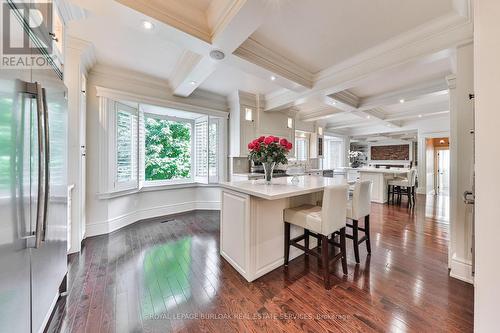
{"x":342,"y":63}
{"x":319,"y":34}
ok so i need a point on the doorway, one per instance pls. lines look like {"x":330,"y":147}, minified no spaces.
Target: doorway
{"x":443,"y":171}
{"x":441,"y":166}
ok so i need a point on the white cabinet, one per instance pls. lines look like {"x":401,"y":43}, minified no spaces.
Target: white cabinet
{"x":242,"y":129}
{"x":248,"y":121}
{"x":316,"y":146}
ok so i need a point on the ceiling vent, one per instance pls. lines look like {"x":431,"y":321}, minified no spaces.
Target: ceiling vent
{"x":217,"y":54}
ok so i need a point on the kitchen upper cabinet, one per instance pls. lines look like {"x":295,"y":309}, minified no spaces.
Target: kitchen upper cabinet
{"x":242,"y":123}
{"x":248,"y":120}
{"x":316,"y":145}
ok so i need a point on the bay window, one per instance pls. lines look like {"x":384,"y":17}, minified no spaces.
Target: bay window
{"x":155,"y":146}
{"x":167,"y":148}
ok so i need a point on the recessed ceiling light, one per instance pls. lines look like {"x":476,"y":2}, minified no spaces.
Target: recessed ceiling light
{"x":368,"y":117}
{"x":401,"y":100}
{"x":193,"y":83}
{"x":273,"y":77}
{"x":441,"y":142}
{"x":389,"y":125}
{"x":420,"y":116}
{"x":147,"y":25}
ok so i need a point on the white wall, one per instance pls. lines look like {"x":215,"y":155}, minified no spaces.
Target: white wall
{"x":487,"y":118}
{"x":108,"y":214}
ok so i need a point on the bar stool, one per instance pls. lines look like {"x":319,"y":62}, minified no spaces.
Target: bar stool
{"x":405,"y":187}
{"x":320,"y":222}
{"x":358,"y":208}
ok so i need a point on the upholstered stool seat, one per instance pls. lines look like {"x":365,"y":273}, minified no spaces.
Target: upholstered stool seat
{"x":320,"y":222}
{"x":359,"y":208}
{"x":305,"y":216}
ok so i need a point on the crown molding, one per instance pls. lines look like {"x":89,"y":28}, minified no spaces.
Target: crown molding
{"x":430,"y":39}
{"x":162,"y":102}
{"x":70,"y":12}
{"x":104,"y":75}
{"x":177,"y":14}
{"x":422,"y":33}
{"x":127,"y":75}
{"x":220,"y":13}
{"x":346,"y":97}
{"x":433,"y":87}
{"x":86,"y":50}
{"x":254,"y":52}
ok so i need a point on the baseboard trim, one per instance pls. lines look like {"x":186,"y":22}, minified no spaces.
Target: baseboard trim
{"x":113,"y":224}
{"x":462,"y":270}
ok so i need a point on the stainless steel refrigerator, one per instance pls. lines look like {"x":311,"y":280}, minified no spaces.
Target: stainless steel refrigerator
{"x":33,"y":196}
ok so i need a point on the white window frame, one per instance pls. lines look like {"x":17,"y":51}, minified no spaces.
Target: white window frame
{"x":190,"y":180}
{"x":306,"y":147}
{"x":106,"y":147}
{"x":134,"y":183}
{"x":326,"y":140}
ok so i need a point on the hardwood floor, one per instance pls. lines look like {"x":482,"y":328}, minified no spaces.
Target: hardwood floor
{"x":161,"y":277}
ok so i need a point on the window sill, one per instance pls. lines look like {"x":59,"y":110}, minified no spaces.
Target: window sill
{"x":152,"y":188}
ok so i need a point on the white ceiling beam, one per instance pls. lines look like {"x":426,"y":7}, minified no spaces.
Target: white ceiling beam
{"x":347,"y":102}
{"x":430,"y":88}
{"x":417,"y":115}
{"x":431,"y":41}
{"x":238,"y":25}
{"x":325,"y":113}
{"x":370,"y":108}
{"x":256,"y":53}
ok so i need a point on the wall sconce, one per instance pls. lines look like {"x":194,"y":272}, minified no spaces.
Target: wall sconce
{"x":320,"y":130}
{"x":290,"y":122}
{"x":248,"y":114}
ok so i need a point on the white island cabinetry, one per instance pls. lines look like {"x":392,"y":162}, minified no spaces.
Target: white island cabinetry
{"x":252,"y":228}
{"x":379,"y":179}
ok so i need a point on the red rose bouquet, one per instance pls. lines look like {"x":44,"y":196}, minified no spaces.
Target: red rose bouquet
{"x":269,"y":151}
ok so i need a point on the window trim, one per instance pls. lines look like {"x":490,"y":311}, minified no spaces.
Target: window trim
{"x":306,"y":148}
{"x":107,"y":97}
{"x":123,"y":186}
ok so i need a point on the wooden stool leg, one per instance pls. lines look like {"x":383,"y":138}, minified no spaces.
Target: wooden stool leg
{"x":388,"y":194}
{"x":408,"y":194}
{"x":287,"y":242}
{"x":326,"y":261}
{"x":355,"y":239}
{"x":413,"y":194}
{"x":306,"y":240}
{"x":367,"y":234}
{"x":343,"y":250}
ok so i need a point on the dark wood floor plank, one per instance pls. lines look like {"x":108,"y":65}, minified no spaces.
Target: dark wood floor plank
{"x":169,"y":277}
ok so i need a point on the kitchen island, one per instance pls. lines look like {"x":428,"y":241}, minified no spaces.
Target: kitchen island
{"x":379,"y":178}
{"x":252,"y":228}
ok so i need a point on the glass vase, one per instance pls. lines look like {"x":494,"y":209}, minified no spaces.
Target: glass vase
{"x":268,"y":171}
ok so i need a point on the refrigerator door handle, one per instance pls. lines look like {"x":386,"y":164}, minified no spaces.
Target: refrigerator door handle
{"x":46,"y":161}
{"x":41,"y":164}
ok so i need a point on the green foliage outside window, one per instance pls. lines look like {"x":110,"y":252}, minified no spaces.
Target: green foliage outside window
{"x":167,"y":149}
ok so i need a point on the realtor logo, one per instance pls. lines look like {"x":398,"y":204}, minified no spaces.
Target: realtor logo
{"x":27,"y":37}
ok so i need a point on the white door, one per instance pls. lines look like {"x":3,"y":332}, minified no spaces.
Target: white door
{"x":443,"y":171}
